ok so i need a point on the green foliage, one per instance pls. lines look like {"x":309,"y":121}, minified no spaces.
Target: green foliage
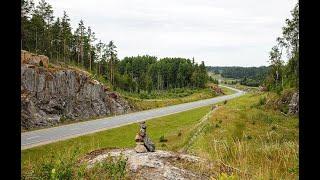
{"x":68,"y":167}
{"x":56,"y":168}
{"x":43,"y":34}
{"x":250,"y":76}
{"x":282,"y":76}
{"x":146,"y":73}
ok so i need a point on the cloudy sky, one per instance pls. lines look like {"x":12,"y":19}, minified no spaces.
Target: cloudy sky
{"x":218,"y":32}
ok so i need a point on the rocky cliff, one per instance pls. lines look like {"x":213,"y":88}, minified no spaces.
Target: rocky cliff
{"x":52,"y":95}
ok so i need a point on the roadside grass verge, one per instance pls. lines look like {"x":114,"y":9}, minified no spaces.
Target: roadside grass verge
{"x":174,"y":128}
{"x":145,"y":104}
{"x":257,"y":141}
{"x":161,"y":101}
{"x":227,"y":91}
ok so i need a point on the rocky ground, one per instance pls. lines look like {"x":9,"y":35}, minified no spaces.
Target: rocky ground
{"x":153,"y":165}
{"x":52,"y":95}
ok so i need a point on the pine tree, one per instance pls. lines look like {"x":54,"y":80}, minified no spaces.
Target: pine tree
{"x":112,"y":57}
{"x":66,"y":36}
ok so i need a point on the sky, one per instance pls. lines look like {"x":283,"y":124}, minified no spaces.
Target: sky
{"x":218,"y":32}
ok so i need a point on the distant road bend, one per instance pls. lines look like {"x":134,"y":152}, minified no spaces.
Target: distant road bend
{"x":49,"y":135}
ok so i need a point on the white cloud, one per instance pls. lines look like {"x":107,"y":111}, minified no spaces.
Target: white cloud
{"x":219,"y":32}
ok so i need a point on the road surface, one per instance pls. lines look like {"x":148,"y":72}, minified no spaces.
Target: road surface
{"x":45,"y":136}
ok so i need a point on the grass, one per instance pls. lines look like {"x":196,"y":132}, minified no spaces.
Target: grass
{"x":247,"y":138}
{"x":123,"y":137}
{"x":255,"y":140}
{"x":243,"y":87}
{"x":162,"y":101}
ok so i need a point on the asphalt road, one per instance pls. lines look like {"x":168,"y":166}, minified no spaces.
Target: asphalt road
{"x":45,"y":136}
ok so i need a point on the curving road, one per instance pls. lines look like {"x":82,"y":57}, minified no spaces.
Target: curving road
{"x":45,"y":136}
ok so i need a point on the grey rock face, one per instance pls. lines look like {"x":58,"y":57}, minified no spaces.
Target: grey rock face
{"x":294,"y":104}
{"x":49,"y":96}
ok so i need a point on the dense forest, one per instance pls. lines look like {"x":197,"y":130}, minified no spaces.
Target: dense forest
{"x":42,"y":33}
{"x":250,"y":76}
{"x":285,"y":75}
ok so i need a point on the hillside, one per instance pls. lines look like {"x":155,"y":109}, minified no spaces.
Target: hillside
{"x":250,"y":76}
{"x":51,"y":94}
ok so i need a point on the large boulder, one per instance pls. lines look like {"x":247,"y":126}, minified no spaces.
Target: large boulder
{"x":30,"y":58}
{"x":294,"y":104}
{"x":155,"y":165}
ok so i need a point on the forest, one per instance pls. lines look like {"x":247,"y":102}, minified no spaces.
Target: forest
{"x":285,"y":75}
{"x":42,"y":33}
{"x":250,"y":76}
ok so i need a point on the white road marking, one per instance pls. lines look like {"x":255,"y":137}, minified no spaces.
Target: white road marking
{"x":32,"y":137}
{"x":74,"y":129}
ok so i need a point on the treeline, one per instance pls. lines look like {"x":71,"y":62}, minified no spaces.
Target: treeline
{"x":250,"y":76}
{"x":41,"y":33}
{"x":147,"y":73}
{"x":285,"y":75}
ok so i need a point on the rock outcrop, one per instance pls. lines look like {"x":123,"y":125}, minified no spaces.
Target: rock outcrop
{"x":30,"y":58}
{"x":51,"y":95}
{"x":217,"y":90}
{"x":294,"y":104}
{"x":151,"y":165}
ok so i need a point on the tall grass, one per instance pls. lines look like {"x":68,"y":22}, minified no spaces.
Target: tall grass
{"x":265,"y":149}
